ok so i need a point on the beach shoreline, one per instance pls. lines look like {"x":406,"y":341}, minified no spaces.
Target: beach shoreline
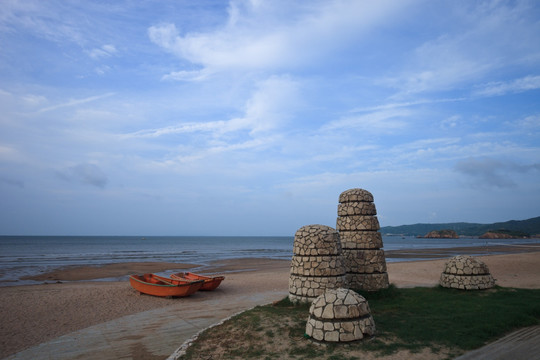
{"x":68,"y":301}
{"x":118,"y":270}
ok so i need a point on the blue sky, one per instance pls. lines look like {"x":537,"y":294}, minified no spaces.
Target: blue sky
{"x":251,"y":117}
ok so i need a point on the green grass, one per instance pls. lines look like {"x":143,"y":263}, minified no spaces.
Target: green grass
{"x":414,"y":319}
{"x":465,"y":319}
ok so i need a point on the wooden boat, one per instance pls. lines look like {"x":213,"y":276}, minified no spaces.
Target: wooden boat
{"x":210,"y":282}
{"x":156,"y":285}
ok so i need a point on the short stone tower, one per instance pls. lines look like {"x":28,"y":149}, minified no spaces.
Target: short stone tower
{"x":316,"y":264}
{"x":361,"y":242}
{"x":339,"y":315}
{"x":466,"y":273}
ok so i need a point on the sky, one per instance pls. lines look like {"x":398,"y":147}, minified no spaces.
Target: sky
{"x":251,"y":117}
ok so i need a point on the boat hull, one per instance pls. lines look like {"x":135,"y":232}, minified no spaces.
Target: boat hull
{"x":210,"y":282}
{"x":155,"y":285}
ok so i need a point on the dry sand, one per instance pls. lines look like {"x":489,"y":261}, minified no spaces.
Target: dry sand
{"x":37,"y":313}
{"x":511,"y":270}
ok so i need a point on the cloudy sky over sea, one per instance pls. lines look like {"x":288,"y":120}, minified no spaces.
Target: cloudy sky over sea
{"x":251,"y":117}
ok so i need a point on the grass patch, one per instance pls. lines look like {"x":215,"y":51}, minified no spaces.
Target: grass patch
{"x":442,"y":321}
{"x":453,"y":318}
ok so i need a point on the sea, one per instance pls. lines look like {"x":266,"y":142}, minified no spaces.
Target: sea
{"x":22,"y":256}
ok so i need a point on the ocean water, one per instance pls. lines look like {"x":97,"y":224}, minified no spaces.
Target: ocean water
{"x":29,"y":255}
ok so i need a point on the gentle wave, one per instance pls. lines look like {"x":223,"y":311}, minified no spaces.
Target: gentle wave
{"x":31,"y":255}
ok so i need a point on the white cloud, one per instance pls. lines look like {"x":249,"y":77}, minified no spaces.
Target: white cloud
{"x":270,"y":106}
{"x":394,"y":105}
{"x":184,"y":75}
{"x":531,"y":122}
{"x":385,"y":121}
{"x":54,"y":23}
{"x":164,"y":35}
{"x":434,"y":151}
{"x":264,"y":35}
{"x":486,"y":37}
{"x":33,"y":100}
{"x":450,"y":122}
{"x":498,"y":88}
{"x":439,"y":65}
{"x":190,"y":127}
{"x":103,"y":69}
{"x":103,"y":52}
{"x":273,"y":103}
{"x":75,"y":102}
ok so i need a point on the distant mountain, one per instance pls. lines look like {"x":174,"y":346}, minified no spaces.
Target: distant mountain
{"x":530,"y":226}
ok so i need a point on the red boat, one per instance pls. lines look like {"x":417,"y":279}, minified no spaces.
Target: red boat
{"x":210,"y":282}
{"x":156,"y":285}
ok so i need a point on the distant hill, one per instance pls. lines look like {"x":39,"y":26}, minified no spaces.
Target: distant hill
{"x":529,"y":226}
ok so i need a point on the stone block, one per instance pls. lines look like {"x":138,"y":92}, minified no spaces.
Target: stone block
{"x":364,"y":260}
{"x":360,"y":239}
{"x":317,"y":265}
{"x":356,"y":208}
{"x":357,"y":223}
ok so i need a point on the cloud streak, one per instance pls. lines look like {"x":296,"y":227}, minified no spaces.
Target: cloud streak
{"x":104,"y":51}
{"x":75,"y":102}
{"x":498,"y":88}
{"x":382,"y":121}
{"x":274,"y":101}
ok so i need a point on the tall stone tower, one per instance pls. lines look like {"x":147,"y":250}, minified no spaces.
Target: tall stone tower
{"x":361,"y":241}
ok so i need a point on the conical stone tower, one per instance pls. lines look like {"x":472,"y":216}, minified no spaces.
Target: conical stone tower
{"x":361,"y":241}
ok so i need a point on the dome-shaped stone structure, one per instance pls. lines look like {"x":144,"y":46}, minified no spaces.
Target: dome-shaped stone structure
{"x":466,"y":273}
{"x":361,"y":242}
{"x":339,"y":315}
{"x":317,"y":263}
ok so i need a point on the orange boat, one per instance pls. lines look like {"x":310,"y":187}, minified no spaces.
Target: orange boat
{"x":210,"y":282}
{"x":156,"y":285}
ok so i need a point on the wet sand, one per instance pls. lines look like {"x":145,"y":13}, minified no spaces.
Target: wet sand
{"x":34,"y":314}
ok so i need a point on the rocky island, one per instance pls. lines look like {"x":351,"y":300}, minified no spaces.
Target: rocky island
{"x":441,"y":234}
{"x":504,"y":234}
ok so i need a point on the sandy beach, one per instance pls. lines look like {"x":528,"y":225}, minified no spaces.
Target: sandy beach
{"x":34,"y":314}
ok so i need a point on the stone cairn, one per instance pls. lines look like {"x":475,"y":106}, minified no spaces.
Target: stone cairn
{"x":466,"y":273}
{"x":316,"y":264}
{"x":361,"y":242}
{"x":339,"y":315}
